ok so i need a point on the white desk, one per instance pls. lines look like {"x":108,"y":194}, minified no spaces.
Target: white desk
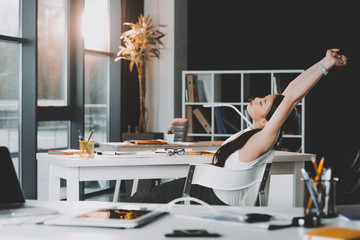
{"x":148,"y":166}
{"x":156,"y":230}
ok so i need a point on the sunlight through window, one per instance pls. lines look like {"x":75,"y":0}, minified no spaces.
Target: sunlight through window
{"x":96,"y":25}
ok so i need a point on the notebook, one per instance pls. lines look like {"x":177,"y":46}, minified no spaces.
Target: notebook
{"x":12,"y":200}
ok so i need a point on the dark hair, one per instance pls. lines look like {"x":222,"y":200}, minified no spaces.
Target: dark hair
{"x":227,"y":149}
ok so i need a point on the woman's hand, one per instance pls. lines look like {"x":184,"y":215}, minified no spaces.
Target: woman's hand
{"x":337,"y":59}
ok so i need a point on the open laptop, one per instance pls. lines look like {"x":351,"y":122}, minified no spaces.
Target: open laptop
{"x":12,"y":200}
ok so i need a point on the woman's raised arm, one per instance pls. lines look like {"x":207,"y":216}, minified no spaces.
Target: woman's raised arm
{"x":302,"y":84}
{"x":295,"y":91}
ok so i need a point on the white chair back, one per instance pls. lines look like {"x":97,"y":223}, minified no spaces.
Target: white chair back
{"x":226,"y":179}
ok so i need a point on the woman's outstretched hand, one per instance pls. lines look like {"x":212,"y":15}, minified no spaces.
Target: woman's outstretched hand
{"x":337,"y":59}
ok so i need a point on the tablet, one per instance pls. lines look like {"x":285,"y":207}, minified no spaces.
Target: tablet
{"x":109,"y":218}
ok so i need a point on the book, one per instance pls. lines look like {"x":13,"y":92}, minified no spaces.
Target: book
{"x":200,"y":116}
{"x":331,"y":232}
{"x":201,"y":90}
{"x":64,"y":151}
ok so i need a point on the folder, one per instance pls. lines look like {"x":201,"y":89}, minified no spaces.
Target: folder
{"x":202,"y":119}
{"x":189,"y":116}
{"x":331,"y":232}
{"x":190,"y":83}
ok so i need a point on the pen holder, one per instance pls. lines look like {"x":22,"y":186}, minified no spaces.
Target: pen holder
{"x":324,"y":192}
{"x":86,"y":149}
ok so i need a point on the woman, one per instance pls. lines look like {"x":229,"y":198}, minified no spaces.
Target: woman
{"x":254,"y":145}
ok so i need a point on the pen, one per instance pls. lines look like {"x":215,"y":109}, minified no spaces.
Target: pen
{"x":112,"y":153}
{"x":91,"y":134}
{"x":81,"y":138}
{"x":314,"y":163}
{"x":327,"y":179}
{"x":311,"y":191}
{"x":108,"y":153}
{"x":86,"y":144}
{"x":317,"y":177}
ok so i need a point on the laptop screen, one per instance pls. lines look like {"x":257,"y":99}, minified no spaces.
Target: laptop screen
{"x":11,"y":194}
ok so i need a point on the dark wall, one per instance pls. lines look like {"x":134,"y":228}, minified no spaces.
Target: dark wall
{"x":234,"y":35}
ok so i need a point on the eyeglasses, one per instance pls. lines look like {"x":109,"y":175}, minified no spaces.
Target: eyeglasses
{"x":173,"y":151}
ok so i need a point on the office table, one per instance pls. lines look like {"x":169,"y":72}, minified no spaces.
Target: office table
{"x":149,"y":165}
{"x":154,"y":231}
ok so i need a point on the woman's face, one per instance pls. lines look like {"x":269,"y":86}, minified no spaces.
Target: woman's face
{"x":259,"y":107}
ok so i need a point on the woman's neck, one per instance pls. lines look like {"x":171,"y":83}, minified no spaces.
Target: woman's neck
{"x":256,"y":125}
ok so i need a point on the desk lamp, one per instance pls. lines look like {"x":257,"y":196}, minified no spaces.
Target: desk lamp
{"x":231,"y":106}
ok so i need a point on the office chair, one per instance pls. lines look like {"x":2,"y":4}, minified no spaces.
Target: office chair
{"x":214,"y":177}
{"x":181,"y":127}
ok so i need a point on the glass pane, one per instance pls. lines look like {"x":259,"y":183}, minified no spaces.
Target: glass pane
{"x":96,"y":96}
{"x":52,"y":53}
{"x":9,"y":18}
{"x":96,"y":25}
{"x":9,"y":97}
{"x":53,"y":135}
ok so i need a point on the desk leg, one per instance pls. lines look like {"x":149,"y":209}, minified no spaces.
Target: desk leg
{"x":298,"y":185}
{"x":72,"y":184}
{"x":117,"y":190}
{"x":134,"y":186}
{"x":54,"y":185}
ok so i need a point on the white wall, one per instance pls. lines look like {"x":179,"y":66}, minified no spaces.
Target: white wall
{"x":160,"y":72}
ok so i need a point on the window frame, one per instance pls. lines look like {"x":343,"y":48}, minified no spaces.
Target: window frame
{"x":30,"y":114}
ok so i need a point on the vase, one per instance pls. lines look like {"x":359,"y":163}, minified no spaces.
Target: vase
{"x":169,"y":137}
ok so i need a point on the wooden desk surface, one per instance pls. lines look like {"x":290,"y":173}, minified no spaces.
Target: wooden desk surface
{"x":126,"y":146}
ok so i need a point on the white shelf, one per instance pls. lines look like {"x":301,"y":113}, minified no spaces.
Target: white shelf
{"x":235,"y":87}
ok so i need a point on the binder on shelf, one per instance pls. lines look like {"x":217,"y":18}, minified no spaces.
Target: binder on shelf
{"x":200,"y":116}
{"x":231,"y":125}
{"x":219,"y":120}
{"x":196,"y":91}
{"x":189,"y":116}
{"x":190,"y":84}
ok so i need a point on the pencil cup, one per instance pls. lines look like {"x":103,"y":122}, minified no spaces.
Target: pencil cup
{"x":86,"y":149}
{"x":169,"y":138}
{"x":324,"y":192}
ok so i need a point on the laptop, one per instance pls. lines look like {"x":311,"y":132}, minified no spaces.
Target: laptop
{"x":12,"y":200}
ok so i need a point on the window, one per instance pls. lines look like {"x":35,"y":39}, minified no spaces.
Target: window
{"x":10,"y":18}
{"x":53,"y":134}
{"x":46,"y":81}
{"x":10,"y":66}
{"x":96,"y":95}
{"x":52,"y":53}
{"x":97,"y":65}
{"x":96,"y":25}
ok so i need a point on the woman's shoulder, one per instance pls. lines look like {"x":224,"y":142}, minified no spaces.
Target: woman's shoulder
{"x":233,"y":162}
{"x":235,"y":135}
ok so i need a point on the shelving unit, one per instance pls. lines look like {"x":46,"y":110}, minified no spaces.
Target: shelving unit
{"x":235,"y":88}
